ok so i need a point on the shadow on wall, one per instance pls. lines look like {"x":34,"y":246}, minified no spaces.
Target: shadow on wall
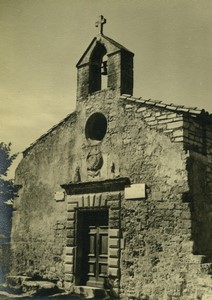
{"x":201,"y":207}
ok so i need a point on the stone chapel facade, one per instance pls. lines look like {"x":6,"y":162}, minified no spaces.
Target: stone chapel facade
{"x":118,"y":195}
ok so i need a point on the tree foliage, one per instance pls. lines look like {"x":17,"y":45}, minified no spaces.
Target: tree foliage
{"x":7,"y":189}
{"x":6,"y":158}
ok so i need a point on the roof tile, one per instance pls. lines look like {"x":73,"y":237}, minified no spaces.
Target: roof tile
{"x":194,"y":111}
{"x":150,"y":102}
{"x":171,"y":107}
{"x":183,"y":109}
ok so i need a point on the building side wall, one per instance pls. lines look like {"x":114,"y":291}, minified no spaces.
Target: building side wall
{"x":38,"y":233}
{"x":200,"y":197}
{"x":168,"y":235}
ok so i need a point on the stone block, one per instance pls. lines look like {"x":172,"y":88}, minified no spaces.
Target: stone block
{"x":152,"y":123}
{"x":92,"y":200}
{"x":114,"y":214}
{"x":80,"y":201}
{"x":103,"y":200}
{"x":187,"y":247}
{"x":67,"y":285}
{"x":97,"y":200}
{"x":114,"y":196}
{"x":174,"y":125}
{"x":86,"y":200}
{"x":87,"y":292}
{"x":70,"y":242}
{"x":129,"y":106}
{"x":71,"y":216}
{"x":168,"y":131}
{"x":114,"y":232}
{"x":60,"y":226}
{"x":70,"y":224}
{"x":69,"y":250}
{"x":113,"y":262}
{"x":69,"y":268}
{"x":16,"y":281}
{"x":36,"y":286}
{"x":178,"y":133}
{"x":161,"y":116}
{"x":171,"y":116}
{"x":141,"y":109}
{"x":147,"y":114}
{"x":59,"y":196}
{"x":68,"y":277}
{"x":69,"y":259}
{"x":113,"y":252}
{"x":122,"y":243}
{"x":150,"y":119}
{"x":72,"y":199}
{"x":113,"y":242}
{"x":178,"y":139}
{"x":70,"y":233}
{"x":166,"y":121}
{"x":113,"y":204}
{"x":70,"y":207}
{"x":114,"y":223}
{"x":113,"y":272}
{"x":204,"y":281}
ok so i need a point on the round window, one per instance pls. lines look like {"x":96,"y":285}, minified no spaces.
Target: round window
{"x":96,"y":127}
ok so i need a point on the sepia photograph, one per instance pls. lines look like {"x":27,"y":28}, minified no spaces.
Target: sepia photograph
{"x":106,"y":149}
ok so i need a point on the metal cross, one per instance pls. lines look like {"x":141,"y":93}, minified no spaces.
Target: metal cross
{"x":100,"y":23}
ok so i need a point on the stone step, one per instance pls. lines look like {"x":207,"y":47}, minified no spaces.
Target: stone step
{"x":205,"y":281}
{"x":34,"y":287}
{"x":16,"y":282}
{"x":90,"y":292}
{"x":6,"y":295}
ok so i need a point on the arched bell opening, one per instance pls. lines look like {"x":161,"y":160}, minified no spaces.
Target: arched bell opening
{"x":98,"y":69}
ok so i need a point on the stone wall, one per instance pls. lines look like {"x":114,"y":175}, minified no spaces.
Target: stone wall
{"x":168,"y":235}
{"x":164,"y":250}
{"x":38,"y":233}
{"x":158,"y":227}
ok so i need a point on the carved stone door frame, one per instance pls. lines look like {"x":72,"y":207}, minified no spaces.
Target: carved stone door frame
{"x":95,"y":195}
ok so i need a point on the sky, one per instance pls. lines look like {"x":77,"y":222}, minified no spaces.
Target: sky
{"x":42,"y":40}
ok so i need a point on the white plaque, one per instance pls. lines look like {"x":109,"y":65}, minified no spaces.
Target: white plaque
{"x":135,"y":191}
{"x":59,"y":196}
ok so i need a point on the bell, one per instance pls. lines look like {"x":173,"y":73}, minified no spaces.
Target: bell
{"x":104,"y":68}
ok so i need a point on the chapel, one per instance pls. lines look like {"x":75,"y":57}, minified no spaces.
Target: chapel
{"x":118,"y":195}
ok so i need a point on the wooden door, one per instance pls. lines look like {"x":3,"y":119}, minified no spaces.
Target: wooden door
{"x":92,"y":248}
{"x":97,"y":256}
